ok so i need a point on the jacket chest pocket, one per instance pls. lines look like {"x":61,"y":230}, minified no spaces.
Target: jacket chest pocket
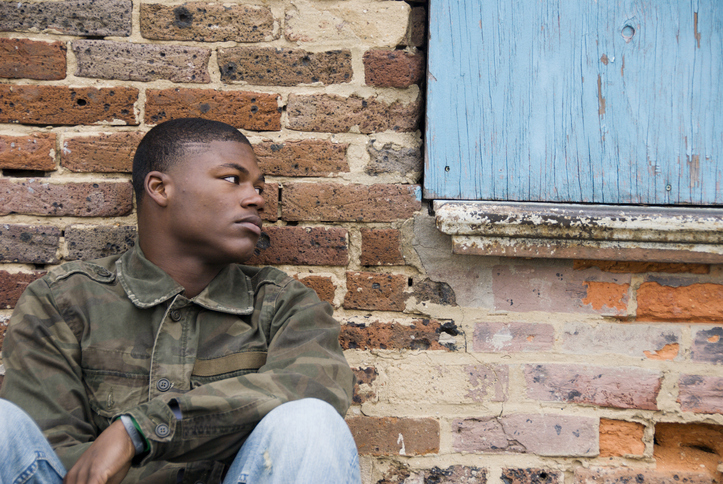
{"x":111,"y":393}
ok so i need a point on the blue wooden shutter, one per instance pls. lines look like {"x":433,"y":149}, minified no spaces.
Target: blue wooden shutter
{"x":600,"y":101}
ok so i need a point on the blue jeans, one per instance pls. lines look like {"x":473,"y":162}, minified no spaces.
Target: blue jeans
{"x":304,"y":441}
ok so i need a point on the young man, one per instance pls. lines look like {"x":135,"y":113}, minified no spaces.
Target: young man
{"x":173,"y":363}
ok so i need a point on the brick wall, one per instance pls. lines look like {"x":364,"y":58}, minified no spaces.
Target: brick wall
{"x":470,"y":369}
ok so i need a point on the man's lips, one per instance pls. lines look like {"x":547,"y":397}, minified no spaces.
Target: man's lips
{"x":253,"y":223}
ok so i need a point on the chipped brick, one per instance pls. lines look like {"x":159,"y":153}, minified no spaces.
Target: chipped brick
{"x":30,"y":244}
{"x":93,"y":242}
{"x":421,"y":334}
{"x":375,"y":291}
{"x":34,"y":152}
{"x":395,"y":436}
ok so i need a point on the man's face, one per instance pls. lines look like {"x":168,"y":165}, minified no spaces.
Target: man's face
{"x":215,"y":202}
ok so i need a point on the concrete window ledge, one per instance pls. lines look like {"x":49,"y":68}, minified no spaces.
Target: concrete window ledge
{"x":567,"y":231}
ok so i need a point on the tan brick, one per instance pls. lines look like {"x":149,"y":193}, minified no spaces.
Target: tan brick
{"x":126,"y":61}
{"x":34,"y":244}
{"x":421,"y":334}
{"x":392,"y":68}
{"x":694,"y":303}
{"x":375,"y":291}
{"x":12,"y":286}
{"x":28,"y":59}
{"x":67,"y":105}
{"x":335,"y":114}
{"x":322,"y":285}
{"x":381,"y":247}
{"x":82,"y":199}
{"x":271,"y":66}
{"x":619,"y":438}
{"x":303,"y":246}
{"x":207,"y":22}
{"x":352,"y":203}
{"x":389,"y":435}
{"x":302,"y":157}
{"x":247,"y":110}
{"x":103,"y":153}
{"x":640,"y":267}
{"x":391,"y":159}
{"x":34,"y":152}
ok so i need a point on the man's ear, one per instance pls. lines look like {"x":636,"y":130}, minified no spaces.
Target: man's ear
{"x":157,"y":185}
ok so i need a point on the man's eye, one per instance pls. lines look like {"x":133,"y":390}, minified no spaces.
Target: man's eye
{"x":232,"y":179}
{"x":259,"y":190}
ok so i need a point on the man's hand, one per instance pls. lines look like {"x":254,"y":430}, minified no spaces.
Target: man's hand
{"x":106,"y":461}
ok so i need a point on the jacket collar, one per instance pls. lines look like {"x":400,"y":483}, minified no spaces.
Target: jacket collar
{"x":148,"y":285}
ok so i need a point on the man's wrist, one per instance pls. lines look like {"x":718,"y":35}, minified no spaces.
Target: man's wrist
{"x":137,"y":438}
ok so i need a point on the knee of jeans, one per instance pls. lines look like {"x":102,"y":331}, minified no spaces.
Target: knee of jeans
{"x":311,"y":414}
{"x":12,"y":418}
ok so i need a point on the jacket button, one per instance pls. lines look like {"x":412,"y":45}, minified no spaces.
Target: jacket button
{"x":163,"y":385}
{"x":162,"y":430}
{"x":104,"y":272}
{"x":176,"y":315}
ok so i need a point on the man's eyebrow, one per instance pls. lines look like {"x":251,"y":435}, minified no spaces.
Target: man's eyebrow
{"x":243,"y":170}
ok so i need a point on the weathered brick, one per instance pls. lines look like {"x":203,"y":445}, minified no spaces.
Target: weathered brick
{"x":531,"y":476}
{"x":421,"y":334}
{"x":271,"y":203}
{"x":322,"y":285}
{"x":93,"y":242}
{"x":513,"y":337}
{"x":103,"y":153}
{"x":363,"y":389}
{"x":3,"y":327}
{"x":657,"y":342}
{"x":126,"y":61}
{"x":82,"y":199}
{"x":627,"y":475}
{"x":620,"y":387}
{"x":458,"y":474}
{"x":12,"y":286}
{"x":395,"y":436}
{"x":607,"y":296}
{"x":272,"y":66}
{"x":302,"y":158}
{"x":28,"y":59}
{"x":303,"y":246}
{"x":707,"y":345}
{"x":640,"y":267}
{"x":34,"y":152}
{"x":392,"y":159}
{"x":329,"y":113}
{"x":247,"y":110}
{"x":700,"y":394}
{"x":71,"y":17}
{"x":67,"y":105}
{"x":381,"y":247}
{"x":207,"y":22}
{"x":619,"y":438}
{"x":691,"y":447}
{"x":429,"y":291}
{"x":376,"y":291}
{"x":32,"y":244}
{"x":546,"y":435}
{"x":349,"y":203}
{"x":693,"y":303}
{"x":384,"y":25}
{"x":392,"y":68}
{"x":417,"y":30}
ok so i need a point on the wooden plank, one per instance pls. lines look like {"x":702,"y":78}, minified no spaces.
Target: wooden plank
{"x":613,"y":101}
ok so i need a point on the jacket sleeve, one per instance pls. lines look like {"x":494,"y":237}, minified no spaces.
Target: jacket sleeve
{"x":304,"y":360}
{"x":43,"y":375}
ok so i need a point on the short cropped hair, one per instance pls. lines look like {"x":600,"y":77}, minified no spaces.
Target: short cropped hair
{"x":166,"y":144}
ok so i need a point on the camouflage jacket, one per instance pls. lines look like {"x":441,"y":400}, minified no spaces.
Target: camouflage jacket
{"x":94,"y":340}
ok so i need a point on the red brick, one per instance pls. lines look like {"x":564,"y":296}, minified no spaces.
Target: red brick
{"x":335,"y":114}
{"x":28,"y":59}
{"x":302,"y":158}
{"x":103,"y":153}
{"x":207,"y":22}
{"x":619,"y":387}
{"x":689,"y":447}
{"x":33,"y":244}
{"x":349,"y":203}
{"x":395,"y":436}
{"x":640,"y":267}
{"x":532,"y":476}
{"x":84,"y":199}
{"x":67,"y":105}
{"x":376,"y":291}
{"x":694,"y":303}
{"x":322,"y":285}
{"x":34,"y":152}
{"x":247,"y":110}
{"x":627,"y":475}
{"x":700,"y":394}
{"x":12,"y":286}
{"x":364,"y":376}
{"x":271,"y":202}
{"x":126,"y":61}
{"x":422,"y":334}
{"x":619,"y":438}
{"x":86,"y":242}
{"x":607,"y":296}
{"x":513,"y":337}
{"x":392,"y":68}
{"x":272,"y":66}
{"x":303,"y":246}
{"x":381,"y":247}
